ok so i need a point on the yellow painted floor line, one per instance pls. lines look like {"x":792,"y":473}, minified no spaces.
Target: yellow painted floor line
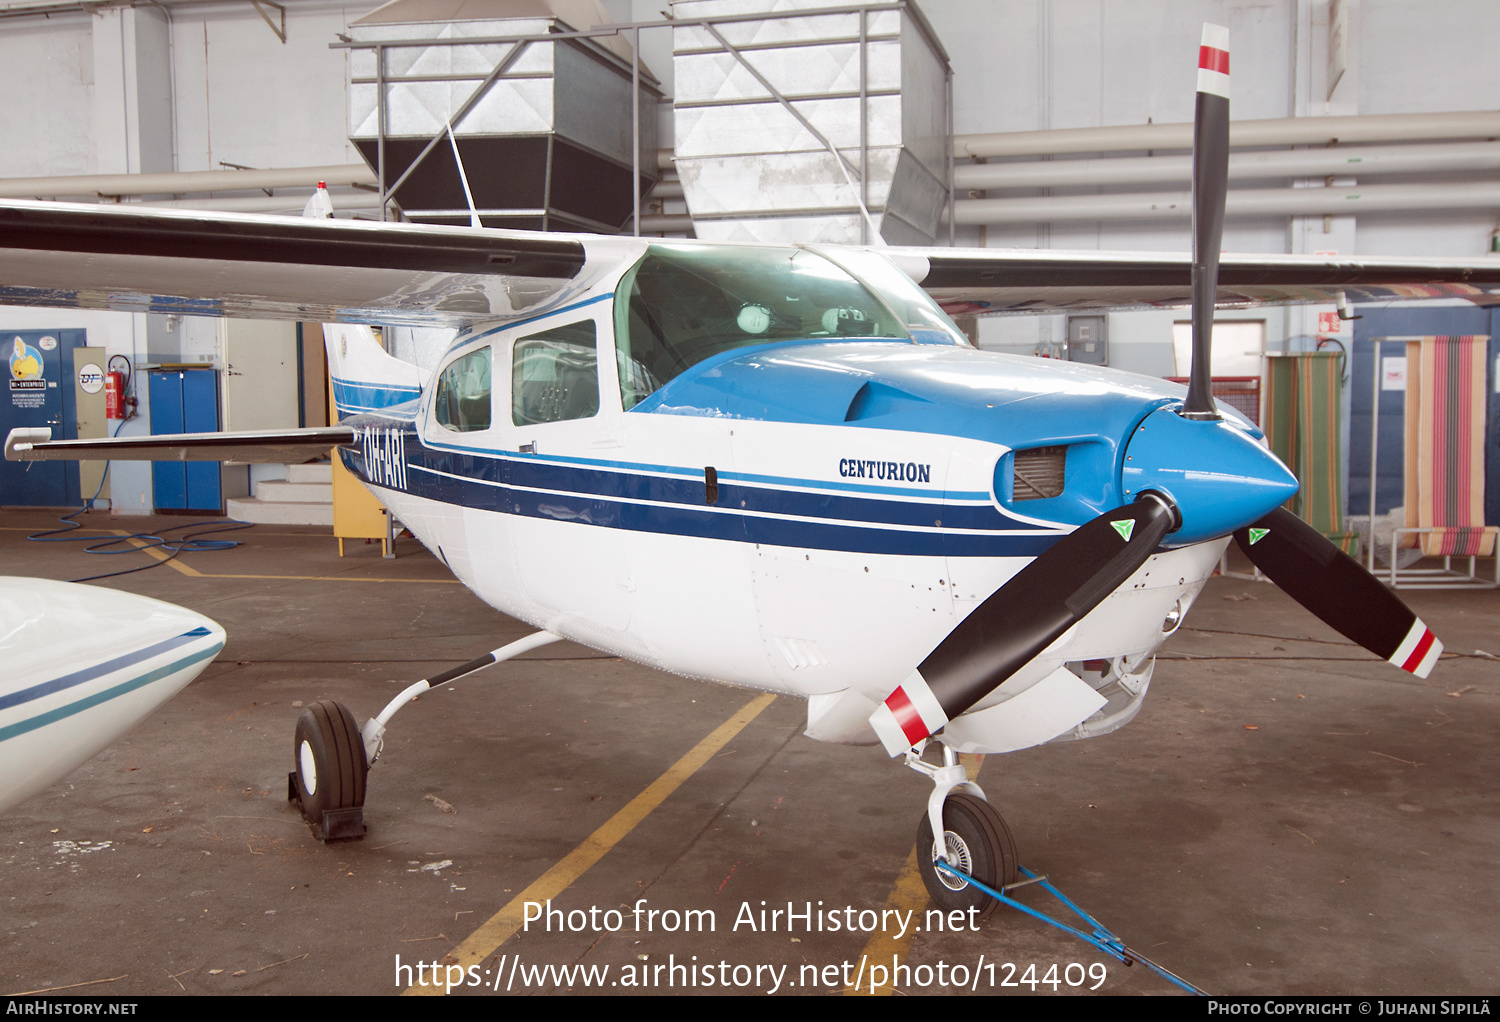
{"x":187,"y":569}
{"x":156,"y":553}
{"x":317,"y":578}
{"x":908,"y":895}
{"x":484,"y":941}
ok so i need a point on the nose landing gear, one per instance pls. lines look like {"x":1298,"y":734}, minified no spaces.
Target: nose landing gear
{"x":975,"y":841}
{"x":972,"y":833}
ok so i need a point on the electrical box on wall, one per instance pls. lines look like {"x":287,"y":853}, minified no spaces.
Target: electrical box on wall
{"x":1088,"y":340}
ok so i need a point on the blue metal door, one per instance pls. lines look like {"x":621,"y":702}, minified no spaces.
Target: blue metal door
{"x":185,"y":401}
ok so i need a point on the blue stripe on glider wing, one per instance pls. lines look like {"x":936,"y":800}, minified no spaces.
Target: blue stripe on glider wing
{"x":67,"y":681}
{"x":114,"y":692}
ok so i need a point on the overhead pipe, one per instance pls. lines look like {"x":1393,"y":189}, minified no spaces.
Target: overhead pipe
{"x":200,"y":181}
{"x":679,"y":223}
{"x":1283,"y":131}
{"x":1278,"y":131}
{"x":50,"y":10}
{"x":666,"y":188}
{"x":1355,"y":161}
{"x":666,"y":223}
{"x":1241,"y":203}
{"x":184,"y":182}
{"x":287,"y":203}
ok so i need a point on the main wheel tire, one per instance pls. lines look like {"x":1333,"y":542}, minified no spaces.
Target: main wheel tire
{"x":329,"y":756}
{"x":986,"y":851}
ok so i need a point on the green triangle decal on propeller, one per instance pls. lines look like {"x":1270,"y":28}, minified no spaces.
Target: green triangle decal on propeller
{"x":1124,"y":528}
{"x":1256,"y":535}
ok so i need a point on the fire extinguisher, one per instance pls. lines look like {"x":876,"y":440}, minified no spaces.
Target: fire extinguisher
{"x":114,"y":395}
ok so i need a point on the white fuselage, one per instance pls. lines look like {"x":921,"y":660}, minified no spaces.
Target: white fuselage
{"x":808,"y":621}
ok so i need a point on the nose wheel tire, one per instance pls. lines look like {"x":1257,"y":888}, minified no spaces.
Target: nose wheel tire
{"x":328,"y":779}
{"x":977,"y":838}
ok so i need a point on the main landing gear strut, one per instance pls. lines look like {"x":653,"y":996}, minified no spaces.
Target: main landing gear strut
{"x":332,"y":756}
{"x":975,"y":840}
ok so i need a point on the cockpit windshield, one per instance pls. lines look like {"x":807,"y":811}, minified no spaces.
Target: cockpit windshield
{"x":682,"y":304}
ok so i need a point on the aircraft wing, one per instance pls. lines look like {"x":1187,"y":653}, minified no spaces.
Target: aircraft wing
{"x":277,"y":446}
{"x":134,"y":259}
{"x":983,"y":280}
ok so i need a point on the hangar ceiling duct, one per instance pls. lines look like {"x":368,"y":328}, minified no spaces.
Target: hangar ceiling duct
{"x":811,"y":121}
{"x":544,"y":128}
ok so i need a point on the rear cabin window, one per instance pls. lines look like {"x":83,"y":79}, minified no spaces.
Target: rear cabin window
{"x":556,"y":375}
{"x":463,"y":393}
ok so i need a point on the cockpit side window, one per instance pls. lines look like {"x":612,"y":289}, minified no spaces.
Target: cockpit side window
{"x":683,"y":304}
{"x":555,"y":375}
{"x":462,"y":402}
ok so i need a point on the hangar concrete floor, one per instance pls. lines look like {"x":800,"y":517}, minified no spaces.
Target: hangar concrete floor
{"x":1287,"y":815}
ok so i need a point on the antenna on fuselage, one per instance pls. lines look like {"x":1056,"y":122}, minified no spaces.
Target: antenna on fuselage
{"x":1210,"y":184}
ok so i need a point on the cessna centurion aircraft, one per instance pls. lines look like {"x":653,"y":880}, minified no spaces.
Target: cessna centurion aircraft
{"x":776,"y":467}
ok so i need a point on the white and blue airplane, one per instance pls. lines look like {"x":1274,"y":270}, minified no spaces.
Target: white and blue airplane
{"x":782,"y":468}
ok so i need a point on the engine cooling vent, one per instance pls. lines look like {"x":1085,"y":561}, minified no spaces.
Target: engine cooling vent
{"x":1039,"y":473}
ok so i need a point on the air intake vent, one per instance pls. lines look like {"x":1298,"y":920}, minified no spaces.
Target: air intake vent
{"x":1039,"y":473}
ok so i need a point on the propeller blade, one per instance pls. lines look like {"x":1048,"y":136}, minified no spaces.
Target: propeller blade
{"x":1022,"y":618}
{"x":1210,"y":183}
{"x":1332,"y":585}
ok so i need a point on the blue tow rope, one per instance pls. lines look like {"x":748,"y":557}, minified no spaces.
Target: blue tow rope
{"x":184,"y":544}
{"x":1100,"y":938}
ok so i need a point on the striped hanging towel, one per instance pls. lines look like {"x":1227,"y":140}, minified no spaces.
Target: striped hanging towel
{"x":1445,"y":408}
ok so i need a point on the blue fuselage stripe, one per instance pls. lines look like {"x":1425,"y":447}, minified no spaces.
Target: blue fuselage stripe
{"x":352,"y":396}
{"x":671,"y":500}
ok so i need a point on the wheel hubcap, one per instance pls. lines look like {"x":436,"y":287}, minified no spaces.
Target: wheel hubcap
{"x":956,"y":854}
{"x":308,"y":768}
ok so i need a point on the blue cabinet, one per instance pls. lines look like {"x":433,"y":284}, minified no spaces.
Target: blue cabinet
{"x":40,"y":393}
{"x":185,"y":401}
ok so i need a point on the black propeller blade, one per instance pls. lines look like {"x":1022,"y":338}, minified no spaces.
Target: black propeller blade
{"x":1325,"y":580}
{"x":1210,"y":185}
{"x":1022,"y":618}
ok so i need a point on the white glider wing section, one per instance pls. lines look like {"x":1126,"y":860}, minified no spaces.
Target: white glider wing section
{"x":981,"y":280}
{"x":83,"y":665}
{"x":134,"y":259}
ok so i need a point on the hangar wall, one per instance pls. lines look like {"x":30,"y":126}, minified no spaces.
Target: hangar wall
{"x":191,"y":86}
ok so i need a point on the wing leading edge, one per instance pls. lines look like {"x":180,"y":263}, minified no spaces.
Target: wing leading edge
{"x":135,"y":259}
{"x":132,"y":259}
{"x":1025,"y":280}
